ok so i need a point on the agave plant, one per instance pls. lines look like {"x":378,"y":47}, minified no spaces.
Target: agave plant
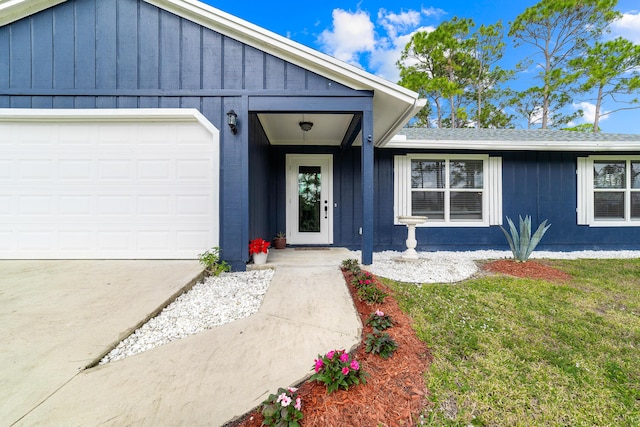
{"x":522,"y":243}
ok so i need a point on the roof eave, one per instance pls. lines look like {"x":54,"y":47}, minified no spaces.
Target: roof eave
{"x":403,"y":119}
{"x":495,"y":145}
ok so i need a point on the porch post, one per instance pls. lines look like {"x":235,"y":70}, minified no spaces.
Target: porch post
{"x":367,"y":186}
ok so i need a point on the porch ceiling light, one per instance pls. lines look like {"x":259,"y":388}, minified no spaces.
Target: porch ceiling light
{"x":306,"y":126}
{"x":232,"y":121}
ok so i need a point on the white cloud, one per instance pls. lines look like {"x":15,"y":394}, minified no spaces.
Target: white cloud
{"x":352,"y":34}
{"x":433,"y":12}
{"x":628,"y":26}
{"x":589,"y":112}
{"x":383,"y":61}
{"x":354,"y":38}
{"x":394,"y":22}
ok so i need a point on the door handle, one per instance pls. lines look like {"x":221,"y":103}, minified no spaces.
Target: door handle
{"x":326,"y":209}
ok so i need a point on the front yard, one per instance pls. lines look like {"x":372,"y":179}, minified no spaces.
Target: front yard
{"x":511,"y":351}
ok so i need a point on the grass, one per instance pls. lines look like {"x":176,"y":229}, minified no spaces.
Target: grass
{"x":521,"y":352}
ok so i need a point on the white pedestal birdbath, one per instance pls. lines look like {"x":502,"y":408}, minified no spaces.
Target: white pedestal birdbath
{"x":411,"y":222}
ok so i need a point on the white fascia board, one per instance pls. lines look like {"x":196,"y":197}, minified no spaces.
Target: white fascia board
{"x":400,"y":141}
{"x":106,"y":115}
{"x":14,"y":10}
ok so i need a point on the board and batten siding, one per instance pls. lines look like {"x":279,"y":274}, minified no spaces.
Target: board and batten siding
{"x":541,"y":184}
{"x":130,"y":54}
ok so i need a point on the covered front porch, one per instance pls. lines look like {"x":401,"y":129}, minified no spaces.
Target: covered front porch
{"x":311,"y":175}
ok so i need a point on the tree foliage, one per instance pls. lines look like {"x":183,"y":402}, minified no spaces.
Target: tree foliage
{"x":455,"y":68}
{"x":611,"y":69}
{"x":558,"y":31}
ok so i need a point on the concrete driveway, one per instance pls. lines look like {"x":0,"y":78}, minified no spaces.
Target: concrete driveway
{"x":58,"y":317}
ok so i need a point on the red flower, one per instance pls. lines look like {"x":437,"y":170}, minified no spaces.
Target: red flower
{"x":258,"y":245}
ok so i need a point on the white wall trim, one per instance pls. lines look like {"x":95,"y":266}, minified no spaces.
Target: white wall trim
{"x":106,"y":115}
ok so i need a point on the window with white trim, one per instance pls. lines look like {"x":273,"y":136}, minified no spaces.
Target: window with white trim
{"x":609,"y":190}
{"x":451,"y":190}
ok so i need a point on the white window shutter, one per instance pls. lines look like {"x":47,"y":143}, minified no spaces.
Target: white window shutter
{"x":582,"y":174}
{"x":494,"y":189}
{"x":401,"y":187}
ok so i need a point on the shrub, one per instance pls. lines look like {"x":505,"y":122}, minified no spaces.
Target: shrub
{"x":337,"y":370}
{"x":363,"y":278}
{"x":371,"y":294}
{"x":283,"y":408}
{"x":212,"y":263}
{"x":379,"y":321}
{"x":522,"y":243}
{"x":380,"y":344}
{"x":351,"y":264}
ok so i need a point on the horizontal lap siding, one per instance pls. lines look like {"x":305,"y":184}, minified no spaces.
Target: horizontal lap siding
{"x":540,"y":184}
{"x":129,"y":54}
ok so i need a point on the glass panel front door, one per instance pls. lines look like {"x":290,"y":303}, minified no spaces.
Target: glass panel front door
{"x":309,"y":203}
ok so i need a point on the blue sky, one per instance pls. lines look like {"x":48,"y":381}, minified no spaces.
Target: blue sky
{"x":371,"y":33}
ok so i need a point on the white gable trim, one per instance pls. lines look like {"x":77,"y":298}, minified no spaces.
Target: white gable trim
{"x":13,"y":10}
{"x":394,"y":105}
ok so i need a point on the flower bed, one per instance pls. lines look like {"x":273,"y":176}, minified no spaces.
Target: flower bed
{"x":395,"y":391}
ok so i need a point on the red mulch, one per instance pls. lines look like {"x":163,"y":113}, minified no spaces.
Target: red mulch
{"x":530,"y":269}
{"x":395,"y":392}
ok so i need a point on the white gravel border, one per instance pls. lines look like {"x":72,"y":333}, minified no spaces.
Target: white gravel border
{"x":451,"y":267}
{"x":233,"y":296}
{"x":214,"y":302}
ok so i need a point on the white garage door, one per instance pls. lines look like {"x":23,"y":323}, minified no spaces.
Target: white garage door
{"x":107,"y":184}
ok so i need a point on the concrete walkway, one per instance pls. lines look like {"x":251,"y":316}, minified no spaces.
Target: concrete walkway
{"x":206,"y":379}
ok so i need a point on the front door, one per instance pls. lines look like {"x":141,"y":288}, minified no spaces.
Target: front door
{"x":309,"y":199}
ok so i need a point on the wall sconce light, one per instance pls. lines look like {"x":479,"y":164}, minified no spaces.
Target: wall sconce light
{"x":306,"y":126}
{"x":232,"y":121}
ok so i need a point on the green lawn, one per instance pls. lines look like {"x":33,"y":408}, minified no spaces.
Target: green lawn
{"x":525,"y":352}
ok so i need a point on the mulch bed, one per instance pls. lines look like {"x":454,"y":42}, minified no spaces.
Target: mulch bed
{"x":529,"y":269}
{"x":395,"y":393}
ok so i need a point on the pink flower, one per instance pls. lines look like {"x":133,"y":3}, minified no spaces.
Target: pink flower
{"x":367,"y":282}
{"x":344,"y":357}
{"x":319,"y":364}
{"x":292,"y":389}
{"x":379,"y":313}
{"x":354,"y":365}
{"x":330,"y":354}
{"x":298,"y":404}
{"x":286,"y":401}
{"x":345,"y":371}
{"x":281,"y":397}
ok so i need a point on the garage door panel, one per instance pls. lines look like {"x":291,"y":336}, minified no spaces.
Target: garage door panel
{"x":75,"y":169}
{"x":108,"y":190}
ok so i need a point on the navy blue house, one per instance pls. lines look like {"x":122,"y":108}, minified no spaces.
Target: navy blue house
{"x":162,"y":128}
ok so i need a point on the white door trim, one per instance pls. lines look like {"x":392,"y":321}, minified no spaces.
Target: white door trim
{"x":325,"y":236}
